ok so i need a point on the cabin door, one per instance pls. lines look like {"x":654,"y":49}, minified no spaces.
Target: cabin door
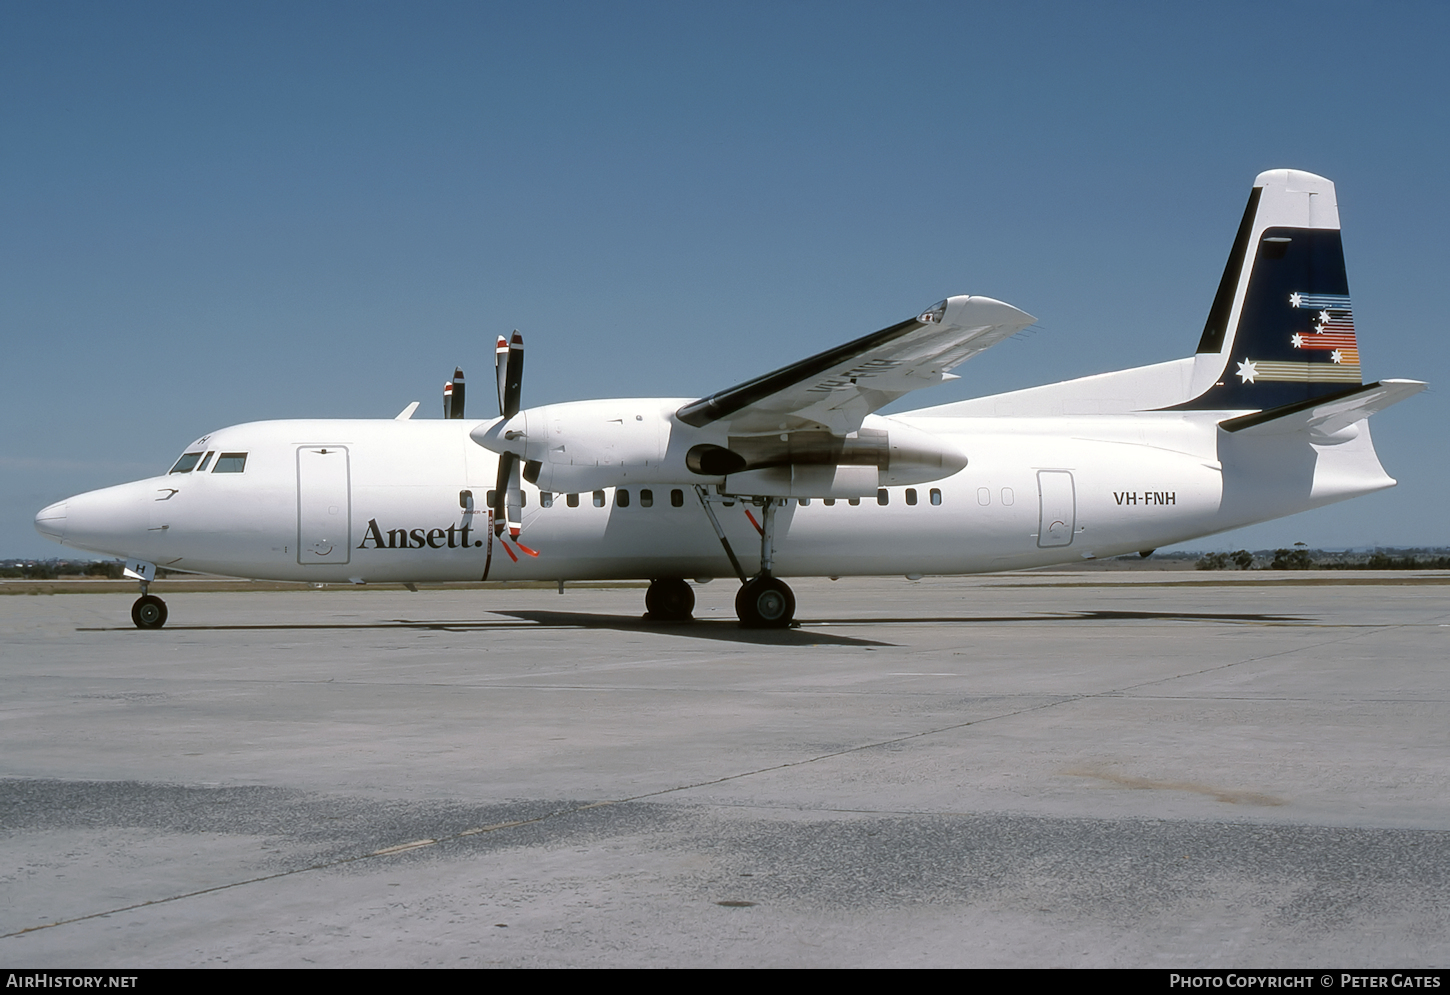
{"x":324,"y":509}
{"x":1057,"y":508}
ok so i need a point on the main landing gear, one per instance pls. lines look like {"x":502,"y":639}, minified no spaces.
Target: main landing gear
{"x":149,"y":612}
{"x":765,"y":601}
{"x":670,"y":599}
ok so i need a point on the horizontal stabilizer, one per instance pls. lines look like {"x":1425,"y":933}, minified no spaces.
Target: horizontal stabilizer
{"x":1324,"y":416}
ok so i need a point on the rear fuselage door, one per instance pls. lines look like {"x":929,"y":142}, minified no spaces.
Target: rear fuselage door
{"x":1057,"y":508}
{"x":324,"y":512}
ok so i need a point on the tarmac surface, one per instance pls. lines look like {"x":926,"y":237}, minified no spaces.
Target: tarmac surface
{"x":1181,"y":770}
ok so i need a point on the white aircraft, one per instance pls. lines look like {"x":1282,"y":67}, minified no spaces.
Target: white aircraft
{"x":791,"y":474}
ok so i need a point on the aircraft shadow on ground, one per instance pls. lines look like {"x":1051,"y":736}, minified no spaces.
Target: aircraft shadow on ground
{"x":806,"y":633}
{"x":1070,"y":616}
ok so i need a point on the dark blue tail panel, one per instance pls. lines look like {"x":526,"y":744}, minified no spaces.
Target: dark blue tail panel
{"x":1295,"y":338}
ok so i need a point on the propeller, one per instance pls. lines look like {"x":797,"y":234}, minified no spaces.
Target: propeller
{"x":508,"y":494}
{"x":453,"y":395}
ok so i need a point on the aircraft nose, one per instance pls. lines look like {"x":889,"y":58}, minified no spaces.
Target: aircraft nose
{"x":110,"y":520}
{"x":50,"y":521}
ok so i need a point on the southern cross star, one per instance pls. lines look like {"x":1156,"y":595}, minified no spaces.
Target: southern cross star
{"x":1296,"y":340}
{"x":1247,"y":372}
{"x":1295,"y":300}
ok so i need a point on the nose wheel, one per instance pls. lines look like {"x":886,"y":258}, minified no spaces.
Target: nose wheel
{"x":670,"y":599}
{"x":765,"y":603}
{"x":149,"y":612}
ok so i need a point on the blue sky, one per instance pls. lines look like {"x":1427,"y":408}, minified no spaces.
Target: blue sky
{"x":215,"y":213}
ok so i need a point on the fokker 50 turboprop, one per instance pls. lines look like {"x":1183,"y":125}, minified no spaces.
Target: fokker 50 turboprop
{"x":792,"y":474}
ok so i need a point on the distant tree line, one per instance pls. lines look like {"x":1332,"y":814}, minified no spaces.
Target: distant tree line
{"x":1300,"y":557}
{"x":55,"y":569}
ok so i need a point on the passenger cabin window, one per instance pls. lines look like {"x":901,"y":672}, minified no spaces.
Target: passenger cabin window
{"x":621,"y":498}
{"x":646,"y":498}
{"x":546,"y":499}
{"x":599,"y":499}
{"x":572,"y":500}
{"x":491,"y":498}
{"x":677,"y":498}
{"x":911,"y":495}
{"x":828,"y":502}
{"x":802,"y":501}
{"x":935,"y":496}
{"x":883,"y":496}
{"x":853,"y":502}
{"x":230,"y":463}
{"x":187,"y":463}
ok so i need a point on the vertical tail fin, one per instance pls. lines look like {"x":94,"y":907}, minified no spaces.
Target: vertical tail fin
{"x":1281,"y":329}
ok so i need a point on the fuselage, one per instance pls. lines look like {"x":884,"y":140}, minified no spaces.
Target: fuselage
{"x":372,"y":501}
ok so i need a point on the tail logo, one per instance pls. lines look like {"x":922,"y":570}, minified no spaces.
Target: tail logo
{"x":1331,"y":331}
{"x":1333,"y":327}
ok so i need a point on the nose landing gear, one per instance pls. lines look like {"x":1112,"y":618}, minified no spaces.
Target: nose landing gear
{"x":149,"y":612}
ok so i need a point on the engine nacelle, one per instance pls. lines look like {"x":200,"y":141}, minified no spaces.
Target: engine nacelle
{"x":883,"y":453}
{"x":590,"y":445}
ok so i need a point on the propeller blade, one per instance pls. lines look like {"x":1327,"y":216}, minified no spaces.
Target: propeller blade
{"x":506,"y":464}
{"x":513,"y":383}
{"x":453,"y":395}
{"x":508,"y":497}
{"x":515,"y":501}
{"x":500,"y":369}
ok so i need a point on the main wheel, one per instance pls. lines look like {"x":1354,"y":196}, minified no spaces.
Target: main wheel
{"x":765,"y":603}
{"x":670,"y":599}
{"x":149,"y":612}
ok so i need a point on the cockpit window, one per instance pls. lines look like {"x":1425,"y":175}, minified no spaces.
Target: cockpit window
{"x":186,"y":463}
{"x":231,"y":463}
{"x":204,"y":461}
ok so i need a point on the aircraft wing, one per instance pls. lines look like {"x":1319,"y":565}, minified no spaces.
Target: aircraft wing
{"x":835,"y":390}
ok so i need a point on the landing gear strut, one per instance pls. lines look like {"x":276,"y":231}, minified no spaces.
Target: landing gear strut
{"x":766,"y":602}
{"x":669,"y":599}
{"x":149,"y":612}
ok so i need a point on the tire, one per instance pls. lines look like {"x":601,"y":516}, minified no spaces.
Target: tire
{"x":149,"y":612}
{"x":670,"y":599}
{"x":765,"y":603}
